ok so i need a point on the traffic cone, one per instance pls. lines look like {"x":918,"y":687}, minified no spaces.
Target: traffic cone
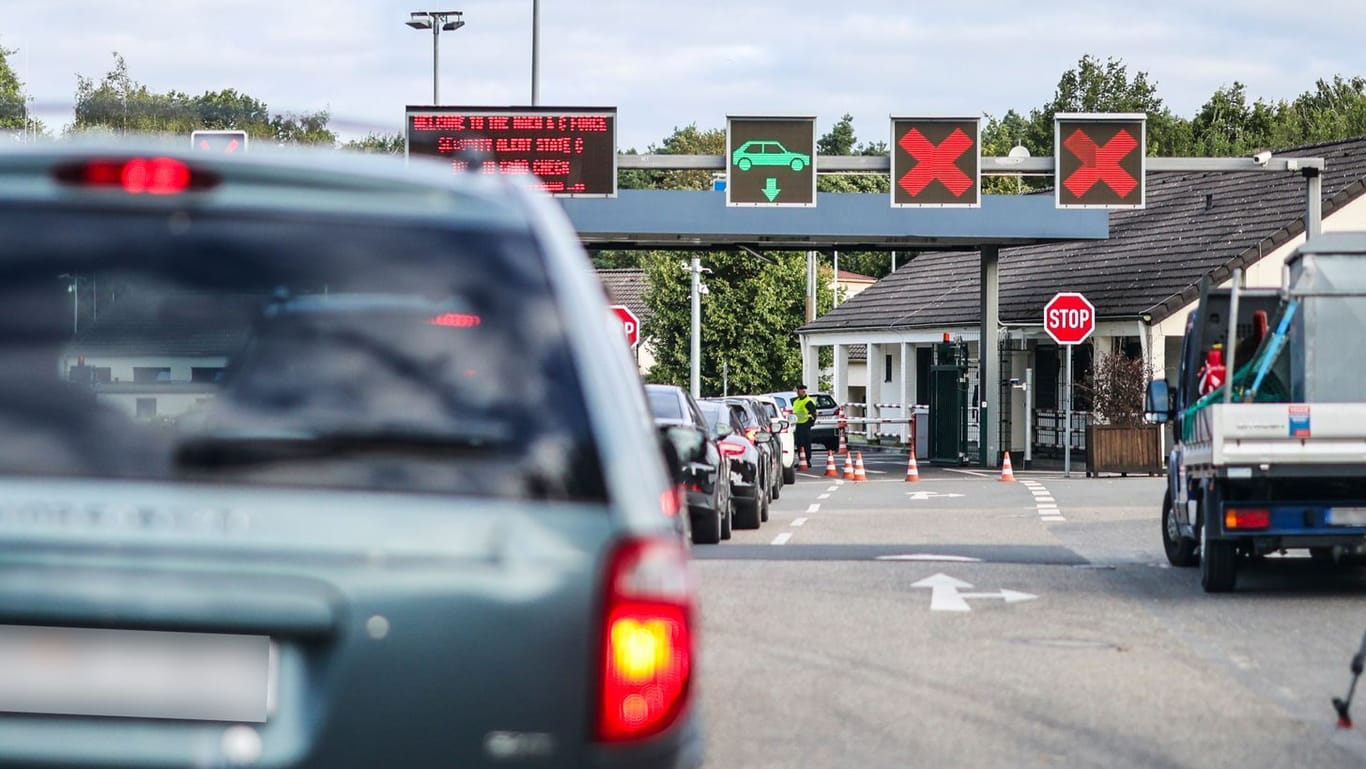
{"x":859,"y":473}
{"x":844,"y":445}
{"x":830,"y":471}
{"x":802,"y":465}
{"x":848,"y":467}
{"x":912,"y":472}
{"x":1007,"y":473}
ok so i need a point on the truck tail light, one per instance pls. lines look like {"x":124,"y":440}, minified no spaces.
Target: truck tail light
{"x":1244,"y":518}
{"x":647,"y":640}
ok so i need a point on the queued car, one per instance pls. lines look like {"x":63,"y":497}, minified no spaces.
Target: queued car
{"x":781,"y":426}
{"x":830,"y":423}
{"x":748,"y":486}
{"x":755,"y":428}
{"x":706,"y":480}
{"x":309,"y":461}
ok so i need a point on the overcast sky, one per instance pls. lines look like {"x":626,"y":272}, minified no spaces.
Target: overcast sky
{"x":668,"y":64}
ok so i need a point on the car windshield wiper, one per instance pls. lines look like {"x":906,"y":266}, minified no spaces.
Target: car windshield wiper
{"x":260,"y":448}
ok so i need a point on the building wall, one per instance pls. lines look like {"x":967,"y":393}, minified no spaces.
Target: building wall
{"x":121,"y":368}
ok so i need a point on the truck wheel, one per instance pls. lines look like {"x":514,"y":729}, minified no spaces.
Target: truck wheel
{"x":1218,"y":564}
{"x":1180,"y":549}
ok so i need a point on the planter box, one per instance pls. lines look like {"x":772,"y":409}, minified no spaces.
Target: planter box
{"x":1124,"y":450}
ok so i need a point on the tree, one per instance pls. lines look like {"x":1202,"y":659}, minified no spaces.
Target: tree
{"x":14,"y":117}
{"x":1096,"y":86}
{"x":382,"y":144}
{"x":749,"y":319}
{"x":841,"y":140}
{"x":118,"y":103}
{"x":689,"y":140}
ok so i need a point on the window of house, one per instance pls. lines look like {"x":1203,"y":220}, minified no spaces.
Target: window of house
{"x":151,"y":374}
{"x":887,"y":366}
{"x":206,"y":373}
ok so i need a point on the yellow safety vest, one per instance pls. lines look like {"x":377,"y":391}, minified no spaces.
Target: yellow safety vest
{"x":804,"y":409}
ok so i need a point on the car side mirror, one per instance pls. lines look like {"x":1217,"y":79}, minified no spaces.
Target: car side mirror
{"x":688,"y":443}
{"x":763,"y":436}
{"x":1157,"y":403}
{"x":781,"y":424}
{"x":722,"y":429}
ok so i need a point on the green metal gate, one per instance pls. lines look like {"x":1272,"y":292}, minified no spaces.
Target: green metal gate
{"x":949,"y":404}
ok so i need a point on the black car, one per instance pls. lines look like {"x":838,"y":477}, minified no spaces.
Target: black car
{"x":758,"y":428}
{"x":705,"y":480}
{"x":747,"y":483}
{"x":310,"y":460}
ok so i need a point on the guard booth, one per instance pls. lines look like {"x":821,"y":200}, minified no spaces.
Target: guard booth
{"x":949,"y":404}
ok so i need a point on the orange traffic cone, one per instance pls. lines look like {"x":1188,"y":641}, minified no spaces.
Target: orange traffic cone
{"x":802,"y":465}
{"x":830,"y":471}
{"x":1007,"y":473}
{"x":848,"y":467}
{"x":859,"y":473}
{"x":844,"y":445}
{"x":912,"y":472}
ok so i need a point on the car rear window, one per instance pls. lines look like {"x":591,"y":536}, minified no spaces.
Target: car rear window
{"x":824,"y":401}
{"x":712,"y":412}
{"x":289,"y":351}
{"x":664,"y":404}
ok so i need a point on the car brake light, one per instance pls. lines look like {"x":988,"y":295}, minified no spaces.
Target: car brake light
{"x":137,"y":176}
{"x":671,"y":500}
{"x":455,"y":320}
{"x":647,"y":640}
{"x":1245,"y":518}
{"x":751,"y":432}
{"x":731,"y":449}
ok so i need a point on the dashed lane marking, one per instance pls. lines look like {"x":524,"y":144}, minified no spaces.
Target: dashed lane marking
{"x":799,"y":521}
{"x":782,"y":539}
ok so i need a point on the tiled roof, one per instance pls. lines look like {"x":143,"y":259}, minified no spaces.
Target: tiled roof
{"x":627,"y":287}
{"x":184,"y":325}
{"x":1194,"y":223}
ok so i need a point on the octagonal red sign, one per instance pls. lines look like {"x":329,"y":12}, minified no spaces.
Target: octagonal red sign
{"x":630,"y":324}
{"x":1069,"y":318}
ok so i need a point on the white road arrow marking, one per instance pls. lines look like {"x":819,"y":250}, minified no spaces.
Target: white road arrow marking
{"x":945,"y":595}
{"x":921,"y":496}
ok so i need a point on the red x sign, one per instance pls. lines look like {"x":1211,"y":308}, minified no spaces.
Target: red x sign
{"x":1100,"y":161}
{"x":935,"y":162}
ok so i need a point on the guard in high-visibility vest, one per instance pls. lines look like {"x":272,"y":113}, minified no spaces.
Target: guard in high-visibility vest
{"x":804,"y":412}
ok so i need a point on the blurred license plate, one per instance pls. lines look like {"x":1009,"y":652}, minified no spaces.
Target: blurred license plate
{"x":1347,"y":516}
{"x":135,"y":673}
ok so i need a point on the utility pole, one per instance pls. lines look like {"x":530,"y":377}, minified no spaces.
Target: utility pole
{"x":437,"y":22}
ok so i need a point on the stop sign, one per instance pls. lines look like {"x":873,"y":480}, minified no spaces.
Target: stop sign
{"x":1069,"y":318}
{"x":630,"y":324}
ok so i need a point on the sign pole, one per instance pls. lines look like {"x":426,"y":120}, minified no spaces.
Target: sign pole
{"x":1067,"y":420}
{"x":695,"y":364}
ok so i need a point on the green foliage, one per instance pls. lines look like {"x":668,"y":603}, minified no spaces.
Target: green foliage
{"x":689,"y":140}
{"x":749,"y":319}
{"x":615,"y":260}
{"x":118,"y":103}
{"x":14,"y":117}
{"x":381,"y":144}
{"x":841,"y":140}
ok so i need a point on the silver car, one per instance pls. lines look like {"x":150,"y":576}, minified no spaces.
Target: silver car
{"x":318,"y":460}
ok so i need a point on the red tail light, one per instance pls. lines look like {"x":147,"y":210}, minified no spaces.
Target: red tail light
{"x":731,"y":449}
{"x":752,"y":433}
{"x":671,"y":501}
{"x":647,"y":640}
{"x":1244,"y":518}
{"x":137,"y":176}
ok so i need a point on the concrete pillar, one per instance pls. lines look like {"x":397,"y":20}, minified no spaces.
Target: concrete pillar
{"x":810,"y":363}
{"x":873,"y":392}
{"x":908,"y":394}
{"x":989,"y":367}
{"x":841,"y":383}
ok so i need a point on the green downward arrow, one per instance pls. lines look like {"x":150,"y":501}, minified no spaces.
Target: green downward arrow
{"x":771,"y":189}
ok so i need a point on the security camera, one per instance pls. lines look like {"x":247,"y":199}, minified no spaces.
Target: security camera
{"x":1262,"y":158}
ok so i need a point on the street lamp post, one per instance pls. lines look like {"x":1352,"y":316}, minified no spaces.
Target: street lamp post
{"x":535,"y":52}
{"x":437,"y":22}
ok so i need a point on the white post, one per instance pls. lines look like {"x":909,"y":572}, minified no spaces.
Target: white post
{"x":695,"y":375}
{"x":1029,"y":416}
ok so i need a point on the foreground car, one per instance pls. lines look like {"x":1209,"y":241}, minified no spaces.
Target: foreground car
{"x":274,"y":491}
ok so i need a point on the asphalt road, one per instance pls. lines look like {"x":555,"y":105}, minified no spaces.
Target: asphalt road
{"x":965,"y":622}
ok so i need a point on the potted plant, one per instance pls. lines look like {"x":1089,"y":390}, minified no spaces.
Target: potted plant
{"x":1119,"y":440}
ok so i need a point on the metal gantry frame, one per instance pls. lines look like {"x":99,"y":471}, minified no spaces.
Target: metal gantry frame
{"x":989,"y":338}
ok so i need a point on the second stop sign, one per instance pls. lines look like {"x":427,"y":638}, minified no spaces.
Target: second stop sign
{"x":1069,"y":318}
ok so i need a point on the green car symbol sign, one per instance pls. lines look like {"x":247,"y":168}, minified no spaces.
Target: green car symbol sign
{"x":768,"y":153}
